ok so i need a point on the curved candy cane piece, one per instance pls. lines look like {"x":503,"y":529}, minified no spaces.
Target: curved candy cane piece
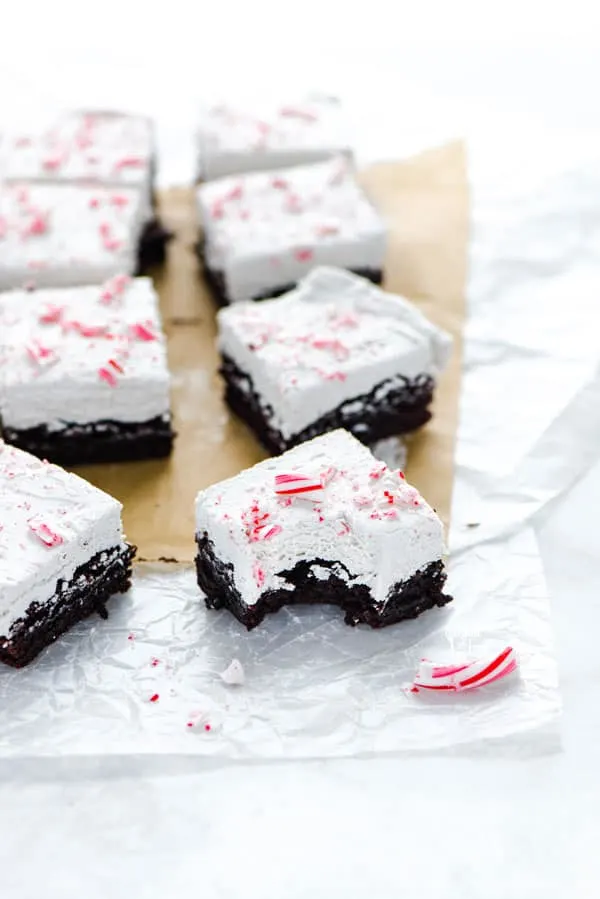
{"x":295,"y":484}
{"x":465,"y":677}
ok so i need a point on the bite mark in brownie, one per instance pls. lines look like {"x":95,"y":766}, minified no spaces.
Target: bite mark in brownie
{"x":88,"y":591}
{"x":383,"y":412}
{"x":405,"y":600}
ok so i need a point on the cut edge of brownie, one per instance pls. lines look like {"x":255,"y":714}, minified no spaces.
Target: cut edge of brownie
{"x":405,"y":600}
{"x":216,"y":280}
{"x":92,"y":585}
{"x":381,"y":412}
{"x":152,"y":247}
{"x":95,"y":442}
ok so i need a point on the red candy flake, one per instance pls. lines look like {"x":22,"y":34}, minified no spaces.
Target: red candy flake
{"x":279,"y":183}
{"x":259,"y":576}
{"x":40,"y":354}
{"x":377,"y":472}
{"x":38,"y":224}
{"x":346,"y":320}
{"x":130,"y":162}
{"x":142,"y":332}
{"x":297,"y":112}
{"x":303,"y":255}
{"x":105,"y":374}
{"x":154,"y":662}
{"x":93,"y":202}
{"x":105,"y":229}
{"x":263,"y":127}
{"x":235,"y":193}
{"x":217,"y":210}
{"x":155,"y":697}
{"x":131,"y":637}
{"x":119,"y":200}
{"x":333,"y":375}
{"x":51,"y":315}
{"x":327,"y":230}
{"x":22,"y":195}
{"x":345,"y":529}
{"x":52,"y":163}
{"x":401,"y":475}
{"x":207,"y":727}
{"x":44,"y":533}
{"x":257,"y":526}
{"x":112,"y":244}
{"x":86,"y":330}
{"x":334,"y":346}
{"x":293,"y":203}
{"x":114,"y":288}
{"x":23,"y":142}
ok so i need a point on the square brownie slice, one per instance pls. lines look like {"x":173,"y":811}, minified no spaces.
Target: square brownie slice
{"x":83,"y":373}
{"x":335,"y":352}
{"x":62,"y":235}
{"x":265,"y":231}
{"x":62,"y":554}
{"x":234,"y":138}
{"x":323,"y":523}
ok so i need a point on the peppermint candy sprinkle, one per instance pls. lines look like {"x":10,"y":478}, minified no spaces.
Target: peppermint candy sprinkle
{"x":298,"y":485}
{"x":457,"y":678}
{"x":44,"y":533}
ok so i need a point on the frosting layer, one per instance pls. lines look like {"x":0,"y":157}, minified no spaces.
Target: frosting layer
{"x":82,"y":354}
{"x":60,"y":235}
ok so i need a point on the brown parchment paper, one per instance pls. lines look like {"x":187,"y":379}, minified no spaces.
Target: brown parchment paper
{"x":425,"y":202}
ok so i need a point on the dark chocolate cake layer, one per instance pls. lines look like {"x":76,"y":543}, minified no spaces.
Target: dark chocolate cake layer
{"x":98,"y":441}
{"x":216,"y":280}
{"x":152,"y":249}
{"x":107,"y":573}
{"x":383,"y":412}
{"x":405,"y":600}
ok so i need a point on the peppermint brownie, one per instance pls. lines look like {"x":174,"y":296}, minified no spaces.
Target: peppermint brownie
{"x":83,"y":373}
{"x":62,"y":554}
{"x":323,"y":523}
{"x":265,"y":231}
{"x":335,"y":352}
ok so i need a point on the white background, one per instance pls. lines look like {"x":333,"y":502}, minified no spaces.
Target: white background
{"x":443,"y":828}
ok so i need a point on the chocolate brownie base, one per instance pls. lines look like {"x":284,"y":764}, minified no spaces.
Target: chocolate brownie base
{"x":216,"y":280}
{"x":91,"y":586}
{"x":98,"y":441}
{"x":405,"y":600}
{"x":383,"y":412}
{"x":152,"y":248}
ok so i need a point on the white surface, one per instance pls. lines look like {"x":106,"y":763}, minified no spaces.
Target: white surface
{"x":366,"y":518}
{"x":83,"y":519}
{"x":95,"y":328}
{"x":334,"y":338}
{"x":260,"y":135}
{"x":85,"y":235}
{"x":439,"y":828}
{"x":265,"y":231}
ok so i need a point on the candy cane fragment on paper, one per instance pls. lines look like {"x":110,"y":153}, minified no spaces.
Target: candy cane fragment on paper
{"x":468,"y":676}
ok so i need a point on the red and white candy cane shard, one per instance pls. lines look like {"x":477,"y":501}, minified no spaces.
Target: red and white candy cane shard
{"x":298,"y":485}
{"x":44,"y":533}
{"x":457,"y":678}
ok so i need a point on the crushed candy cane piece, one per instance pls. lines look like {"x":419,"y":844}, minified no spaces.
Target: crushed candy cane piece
{"x":234,"y":674}
{"x":457,"y":678}
{"x":142,"y":332}
{"x":296,"y":484}
{"x":45,"y":533}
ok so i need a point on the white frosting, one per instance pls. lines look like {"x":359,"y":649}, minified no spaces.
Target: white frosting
{"x":109,"y":148}
{"x":381,"y":542}
{"x":64,"y":235}
{"x":267,"y":230}
{"x":50,"y":370}
{"x":35,"y":493}
{"x":336,"y":336}
{"x":269,"y":135}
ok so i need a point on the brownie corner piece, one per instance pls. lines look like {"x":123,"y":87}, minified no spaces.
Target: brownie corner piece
{"x":312,"y":527}
{"x":69,"y":534}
